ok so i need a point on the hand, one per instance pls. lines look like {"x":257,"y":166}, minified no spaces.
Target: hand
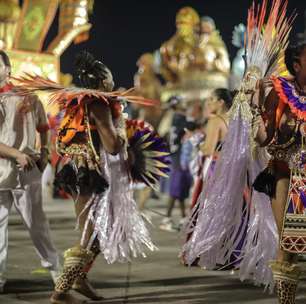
{"x":260,"y":88}
{"x":24,"y":161}
{"x":255,"y":99}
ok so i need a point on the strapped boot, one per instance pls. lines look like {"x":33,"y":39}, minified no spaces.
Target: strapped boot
{"x":75,"y":260}
{"x":82,"y":284}
{"x":286,"y":278}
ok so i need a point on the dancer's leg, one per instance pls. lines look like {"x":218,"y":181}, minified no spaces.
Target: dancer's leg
{"x":143,"y":197}
{"x":75,"y":258}
{"x":81,"y":284}
{"x":285,"y":270}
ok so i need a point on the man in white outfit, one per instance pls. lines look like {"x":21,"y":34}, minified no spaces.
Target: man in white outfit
{"x":21,"y":119}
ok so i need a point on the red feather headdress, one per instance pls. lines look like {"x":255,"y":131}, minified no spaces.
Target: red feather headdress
{"x":63,"y":96}
{"x":267,"y":36}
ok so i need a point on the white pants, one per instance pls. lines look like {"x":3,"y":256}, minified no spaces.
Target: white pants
{"x":28,"y":203}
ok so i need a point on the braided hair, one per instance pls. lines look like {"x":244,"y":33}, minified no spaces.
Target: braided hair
{"x":91,"y":72}
{"x":292,"y":55}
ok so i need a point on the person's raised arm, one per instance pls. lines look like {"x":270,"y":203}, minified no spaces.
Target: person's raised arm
{"x":266,"y":124}
{"x":109,"y":137}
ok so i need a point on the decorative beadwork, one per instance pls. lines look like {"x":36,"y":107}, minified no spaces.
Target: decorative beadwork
{"x":83,"y":154}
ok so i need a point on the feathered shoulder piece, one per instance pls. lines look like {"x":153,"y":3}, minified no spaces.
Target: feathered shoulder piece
{"x":267,"y":37}
{"x":149,"y":151}
{"x":64,"y":96}
{"x":288,"y":94}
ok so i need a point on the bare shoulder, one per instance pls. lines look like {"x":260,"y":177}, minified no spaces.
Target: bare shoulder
{"x":215,"y":121}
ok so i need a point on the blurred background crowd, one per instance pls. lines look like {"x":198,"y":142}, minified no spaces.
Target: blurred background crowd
{"x":191,"y":73}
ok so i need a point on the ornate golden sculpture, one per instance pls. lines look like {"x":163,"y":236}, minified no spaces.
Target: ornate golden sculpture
{"x":178,"y":53}
{"x":192,"y":63}
{"x":216,"y":62}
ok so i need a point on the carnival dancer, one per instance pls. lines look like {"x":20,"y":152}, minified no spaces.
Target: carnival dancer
{"x":219,"y":104}
{"x":284,"y":179}
{"x":21,"y":167}
{"x":272,"y":112}
{"x":208,"y":150}
{"x":93,"y":140}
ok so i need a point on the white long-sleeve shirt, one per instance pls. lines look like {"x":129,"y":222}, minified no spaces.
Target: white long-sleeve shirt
{"x":18,"y":130}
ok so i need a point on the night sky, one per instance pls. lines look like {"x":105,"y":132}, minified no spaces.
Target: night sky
{"x":123,"y":30}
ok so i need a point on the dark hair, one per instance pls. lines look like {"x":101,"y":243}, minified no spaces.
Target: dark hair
{"x":192,"y":125}
{"x":292,"y":55}
{"x":5,"y":58}
{"x":174,"y":101}
{"x":90,"y":71}
{"x":225,"y":95}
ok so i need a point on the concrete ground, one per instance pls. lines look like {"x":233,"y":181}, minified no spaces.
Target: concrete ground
{"x":160,"y":278}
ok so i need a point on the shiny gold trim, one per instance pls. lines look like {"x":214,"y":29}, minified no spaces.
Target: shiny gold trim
{"x":61,"y":42}
{"x":78,"y":252}
{"x":285,"y":270}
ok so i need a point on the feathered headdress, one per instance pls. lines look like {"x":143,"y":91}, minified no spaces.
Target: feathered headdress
{"x":267,"y":36}
{"x":248,"y":225}
{"x":91,"y":72}
{"x":63,"y":96}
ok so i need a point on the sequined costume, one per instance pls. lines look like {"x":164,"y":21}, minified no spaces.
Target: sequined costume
{"x":287,"y":162}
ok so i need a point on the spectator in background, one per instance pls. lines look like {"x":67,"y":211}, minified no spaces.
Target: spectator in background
{"x":21,"y":166}
{"x":180,"y":179}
